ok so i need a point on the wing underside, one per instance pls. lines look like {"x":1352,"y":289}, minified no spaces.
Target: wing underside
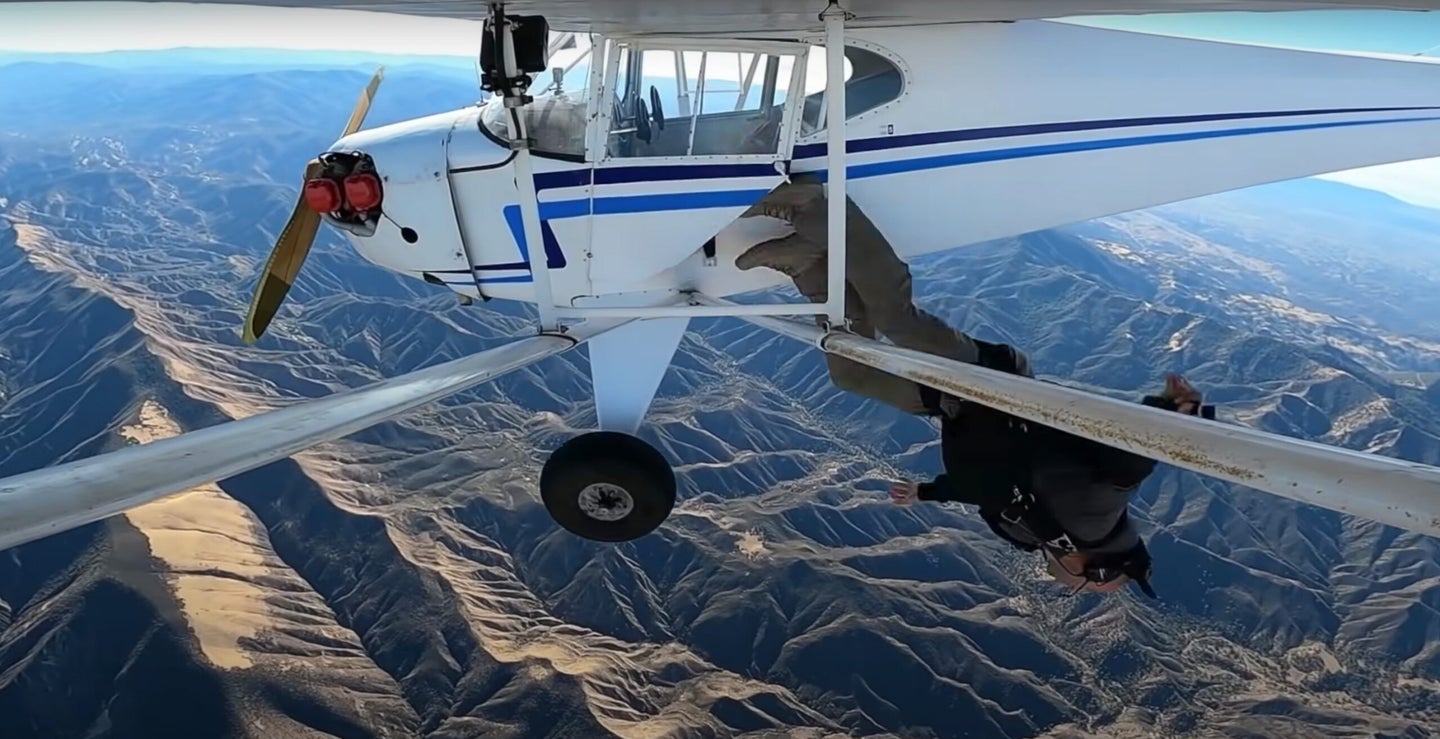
{"x":769,"y":16}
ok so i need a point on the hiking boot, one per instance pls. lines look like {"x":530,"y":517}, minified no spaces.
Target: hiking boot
{"x":790,"y":255}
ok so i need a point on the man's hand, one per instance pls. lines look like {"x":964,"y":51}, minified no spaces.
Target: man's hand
{"x":904,"y":493}
{"x":1179,"y":391}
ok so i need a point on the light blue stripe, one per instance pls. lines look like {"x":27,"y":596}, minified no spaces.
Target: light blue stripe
{"x":491,"y":280}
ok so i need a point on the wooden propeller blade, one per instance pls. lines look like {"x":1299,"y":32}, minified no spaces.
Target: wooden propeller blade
{"x":284,"y":263}
{"x":298,"y":236}
{"x":362,"y":106}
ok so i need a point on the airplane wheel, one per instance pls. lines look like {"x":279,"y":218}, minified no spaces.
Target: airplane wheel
{"x":608,"y":486}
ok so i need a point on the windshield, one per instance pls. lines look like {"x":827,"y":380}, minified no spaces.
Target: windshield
{"x":555,"y":121}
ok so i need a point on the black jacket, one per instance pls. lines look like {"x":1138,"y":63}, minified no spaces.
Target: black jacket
{"x":1079,"y":486}
{"x":1082,"y":486}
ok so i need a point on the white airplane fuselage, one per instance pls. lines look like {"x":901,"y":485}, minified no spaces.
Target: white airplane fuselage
{"x":990,"y":130}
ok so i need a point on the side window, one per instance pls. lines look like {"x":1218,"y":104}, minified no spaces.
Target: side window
{"x":676,"y":102}
{"x":871,"y":80}
{"x":744,"y":103}
{"x":651,"y":88}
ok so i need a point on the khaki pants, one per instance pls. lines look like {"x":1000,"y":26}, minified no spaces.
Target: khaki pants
{"x":878,"y":298}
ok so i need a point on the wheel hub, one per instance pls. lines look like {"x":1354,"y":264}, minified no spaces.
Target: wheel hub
{"x":603,"y":501}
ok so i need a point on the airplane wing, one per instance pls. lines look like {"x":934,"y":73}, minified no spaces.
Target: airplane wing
{"x":50,"y":500}
{"x":768,"y":16}
{"x":1394,"y":492}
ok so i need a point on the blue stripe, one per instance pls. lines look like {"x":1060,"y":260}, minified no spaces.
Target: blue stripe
{"x":610,"y":206}
{"x":491,"y":280}
{"x":554,"y":256}
{"x":810,"y":151}
{"x":497,"y":267}
{"x":649,"y":173}
{"x":677,"y":201}
{"x":735,"y":198}
{"x":877,"y":169}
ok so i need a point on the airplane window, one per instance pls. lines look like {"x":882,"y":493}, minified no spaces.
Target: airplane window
{"x":682,"y":103}
{"x":556,"y":120}
{"x":871,"y":81}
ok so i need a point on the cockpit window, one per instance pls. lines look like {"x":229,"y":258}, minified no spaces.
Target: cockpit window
{"x":676,"y":102}
{"x":672,"y":102}
{"x":555,"y":121}
{"x":871,"y":80}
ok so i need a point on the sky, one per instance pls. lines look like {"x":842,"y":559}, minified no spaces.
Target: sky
{"x":106,"y":26}
{"x":1415,"y":182}
{"x":94,"y":26}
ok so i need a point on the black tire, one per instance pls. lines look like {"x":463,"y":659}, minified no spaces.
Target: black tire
{"x":605,"y":473}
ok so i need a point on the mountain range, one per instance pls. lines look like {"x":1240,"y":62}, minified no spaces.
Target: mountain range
{"x":405,"y":581}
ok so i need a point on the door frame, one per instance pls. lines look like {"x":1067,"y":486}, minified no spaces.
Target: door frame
{"x":597,"y":144}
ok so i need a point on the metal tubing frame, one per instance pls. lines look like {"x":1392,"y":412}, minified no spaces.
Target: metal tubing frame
{"x":54,"y":499}
{"x":834,"y":17}
{"x":1391,"y":491}
{"x":744,"y":94}
{"x":525,"y":180}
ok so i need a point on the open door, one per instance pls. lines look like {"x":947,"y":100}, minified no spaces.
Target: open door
{"x":689,"y":134}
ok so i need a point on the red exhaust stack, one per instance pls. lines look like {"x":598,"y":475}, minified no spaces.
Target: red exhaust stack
{"x":322,"y":195}
{"x":362,"y":191}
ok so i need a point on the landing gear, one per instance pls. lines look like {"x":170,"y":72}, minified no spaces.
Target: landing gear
{"x":608,"y":486}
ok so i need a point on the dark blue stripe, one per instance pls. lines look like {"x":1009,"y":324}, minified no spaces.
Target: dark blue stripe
{"x":554,"y":256}
{"x":877,"y":169}
{"x":810,"y":151}
{"x":649,"y":173}
{"x":497,"y":267}
{"x":730,"y":198}
{"x":566,"y":178}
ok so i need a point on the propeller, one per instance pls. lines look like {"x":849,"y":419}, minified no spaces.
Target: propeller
{"x":298,"y":235}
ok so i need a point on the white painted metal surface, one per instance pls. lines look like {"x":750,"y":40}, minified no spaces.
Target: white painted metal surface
{"x":761,"y":16}
{"x":411,"y":157}
{"x":1391,"y":491}
{"x":54,"y":499}
{"x":1006,"y":129}
{"x":836,"y":204}
{"x":1049,"y":124}
{"x":626,"y":367}
{"x":525,"y":183}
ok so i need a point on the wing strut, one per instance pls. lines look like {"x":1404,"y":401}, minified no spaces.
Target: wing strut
{"x":835,"y":172}
{"x":514,"y":92}
{"x":1384,"y":489}
{"x":47,"y":501}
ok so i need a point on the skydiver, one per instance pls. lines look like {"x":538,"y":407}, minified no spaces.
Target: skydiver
{"x":1038,"y":488}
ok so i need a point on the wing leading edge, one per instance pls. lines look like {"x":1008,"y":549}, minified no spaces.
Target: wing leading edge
{"x":47,"y":501}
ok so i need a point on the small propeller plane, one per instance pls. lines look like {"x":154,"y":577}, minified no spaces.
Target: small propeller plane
{"x":607,"y":192}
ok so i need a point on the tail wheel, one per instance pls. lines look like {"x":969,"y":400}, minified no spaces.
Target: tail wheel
{"x":608,"y":486}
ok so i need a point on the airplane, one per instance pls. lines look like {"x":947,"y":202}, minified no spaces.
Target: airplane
{"x":607,"y":192}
